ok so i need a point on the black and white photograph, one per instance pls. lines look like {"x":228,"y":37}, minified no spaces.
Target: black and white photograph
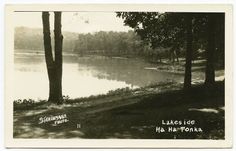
{"x":118,"y":74}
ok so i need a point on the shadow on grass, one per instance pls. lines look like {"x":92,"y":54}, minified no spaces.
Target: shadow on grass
{"x":135,"y":120}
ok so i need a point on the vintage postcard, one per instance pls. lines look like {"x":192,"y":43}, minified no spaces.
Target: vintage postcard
{"x":118,"y":76}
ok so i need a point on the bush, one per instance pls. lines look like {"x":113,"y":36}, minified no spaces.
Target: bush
{"x":26,"y":103}
{"x":119,"y":91}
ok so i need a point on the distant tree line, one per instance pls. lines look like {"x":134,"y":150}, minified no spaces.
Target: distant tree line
{"x":126,"y":44}
{"x":31,"y":39}
{"x":109,"y":43}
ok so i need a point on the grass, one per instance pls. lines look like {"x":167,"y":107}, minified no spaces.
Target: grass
{"x":126,"y":113}
{"x":29,"y":104}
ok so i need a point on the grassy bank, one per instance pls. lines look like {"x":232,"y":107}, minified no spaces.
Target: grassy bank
{"x":126,"y":113}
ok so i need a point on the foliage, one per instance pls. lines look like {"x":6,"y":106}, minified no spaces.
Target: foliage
{"x":168,"y":29}
{"x":26,"y":39}
{"x":119,"y":91}
{"x":109,"y":43}
{"x":157,"y":29}
{"x":24,"y":101}
{"x":126,"y":44}
{"x":22,"y":104}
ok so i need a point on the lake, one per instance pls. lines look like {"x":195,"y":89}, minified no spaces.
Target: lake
{"x":84,"y":76}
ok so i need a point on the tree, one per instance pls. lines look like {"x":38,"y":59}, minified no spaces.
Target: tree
{"x":165,"y":30}
{"x":215,"y":33}
{"x":210,"y":52}
{"x":54,"y":66}
{"x":188,"y":63}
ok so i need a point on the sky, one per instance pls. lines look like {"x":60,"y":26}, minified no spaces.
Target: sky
{"x":80,"y":22}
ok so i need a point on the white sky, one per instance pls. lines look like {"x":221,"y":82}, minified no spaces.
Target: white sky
{"x":81,"y":22}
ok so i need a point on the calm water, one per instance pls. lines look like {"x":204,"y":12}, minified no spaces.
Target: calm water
{"x":84,"y":76}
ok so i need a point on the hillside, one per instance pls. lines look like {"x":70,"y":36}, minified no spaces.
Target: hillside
{"x":26,"y":39}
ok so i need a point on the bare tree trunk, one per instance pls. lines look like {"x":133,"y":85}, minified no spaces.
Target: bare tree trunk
{"x":54,"y":68}
{"x":58,"y":54}
{"x":188,"y":64}
{"x":210,"y":52}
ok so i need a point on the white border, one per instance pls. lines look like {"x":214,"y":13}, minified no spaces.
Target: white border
{"x":117,"y":143}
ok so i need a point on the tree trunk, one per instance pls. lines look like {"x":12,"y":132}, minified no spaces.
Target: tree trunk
{"x":54,"y":68}
{"x":58,"y":54}
{"x":210,"y":52}
{"x":188,"y":57}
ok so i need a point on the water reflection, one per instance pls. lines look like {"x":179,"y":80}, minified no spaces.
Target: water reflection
{"x":83,"y":76}
{"x":132,"y":71}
